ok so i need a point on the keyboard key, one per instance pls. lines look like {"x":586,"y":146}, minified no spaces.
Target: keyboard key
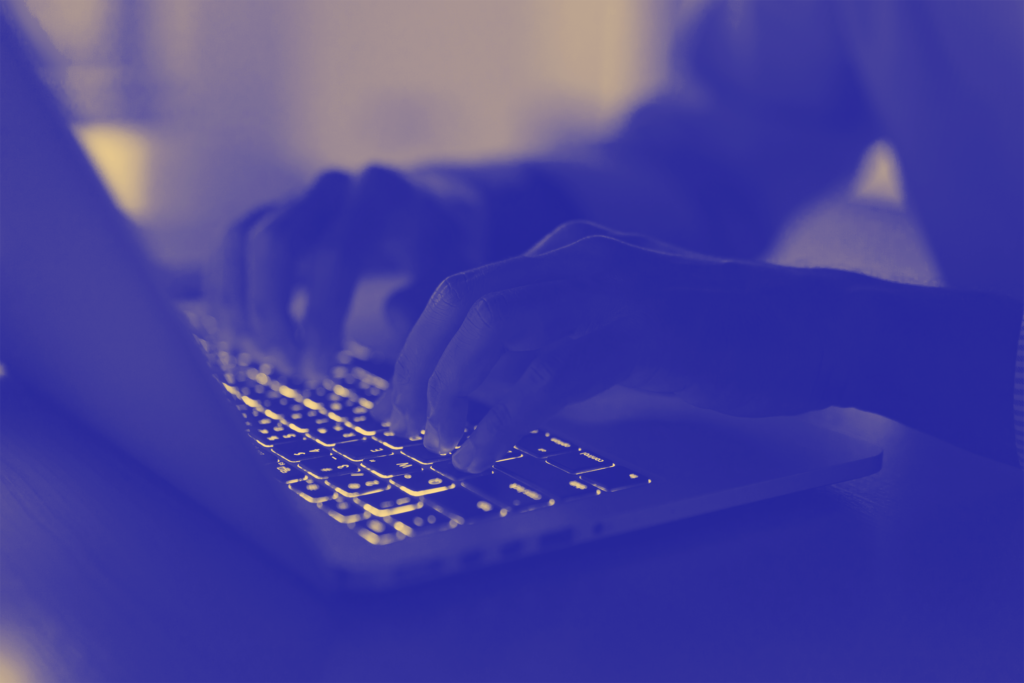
{"x":512,"y":454}
{"x":422,"y":483}
{"x":548,"y":479}
{"x":364,"y":424}
{"x":391,"y":465}
{"x":302,"y":420}
{"x":507,"y":492}
{"x":342,"y":407}
{"x":449,"y":470}
{"x":308,"y":420}
{"x":313,"y":491}
{"x":391,"y":501}
{"x":259,"y":422}
{"x":357,"y":451}
{"x":318,"y":393}
{"x":615,"y":478}
{"x":278,"y":404}
{"x":288,"y":472}
{"x":356,"y":483}
{"x":541,"y":444}
{"x":463,"y":505}
{"x":333,"y":433}
{"x":422,"y":521}
{"x":321,"y":468}
{"x":297,"y":450}
{"x":375,"y":531}
{"x":420,"y":454}
{"x":344,"y":510}
{"x":392,"y":440}
{"x":277,"y":437}
{"x":578,"y":462}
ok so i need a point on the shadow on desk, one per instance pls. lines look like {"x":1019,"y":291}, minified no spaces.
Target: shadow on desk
{"x":914,"y":573}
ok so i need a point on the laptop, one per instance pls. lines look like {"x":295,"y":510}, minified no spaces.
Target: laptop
{"x":303,"y":470}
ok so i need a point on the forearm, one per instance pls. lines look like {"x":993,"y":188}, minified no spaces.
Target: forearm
{"x":937,"y":360}
{"x":716,"y":180}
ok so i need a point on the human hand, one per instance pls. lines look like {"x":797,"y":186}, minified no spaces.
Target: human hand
{"x":594,"y":309}
{"x":317,"y":247}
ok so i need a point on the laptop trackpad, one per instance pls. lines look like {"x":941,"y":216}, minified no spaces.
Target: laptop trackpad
{"x":700,"y":451}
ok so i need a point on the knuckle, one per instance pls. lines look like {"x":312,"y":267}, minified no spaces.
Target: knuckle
{"x":382,"y":182}
{"x":334,"y":179}
{"x":540,"y":375}
{"x":403,"y":372}
{"x":438,"y":387}
{"x":577,"y":230}
{"x":452,"y":292}
{"x":488,"y":312}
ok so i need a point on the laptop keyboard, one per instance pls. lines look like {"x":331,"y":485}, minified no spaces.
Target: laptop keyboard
{"x":323,"y":443}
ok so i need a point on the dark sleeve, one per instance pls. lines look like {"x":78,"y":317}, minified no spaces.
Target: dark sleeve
{"x":936,"y":359}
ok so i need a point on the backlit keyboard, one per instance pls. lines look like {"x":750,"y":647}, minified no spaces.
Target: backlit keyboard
{"x":324,"y":444}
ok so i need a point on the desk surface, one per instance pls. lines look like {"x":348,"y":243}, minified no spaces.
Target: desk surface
{"x":914,"y":573}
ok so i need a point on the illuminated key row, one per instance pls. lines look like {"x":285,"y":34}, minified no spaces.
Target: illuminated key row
{"x":387,"y":494}
{"x":329,"y":450}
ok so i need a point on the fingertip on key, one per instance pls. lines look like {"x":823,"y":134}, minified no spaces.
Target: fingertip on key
{"x":397,"y":422}
{"x":430,"y":439}
{"x":463,"y":458}
{"x":468,"y":460}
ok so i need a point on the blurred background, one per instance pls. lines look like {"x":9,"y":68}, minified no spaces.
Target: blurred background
{"x":195,"y":111}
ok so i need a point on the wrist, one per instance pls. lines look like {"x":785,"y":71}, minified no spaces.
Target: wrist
{"x":935,"y":359}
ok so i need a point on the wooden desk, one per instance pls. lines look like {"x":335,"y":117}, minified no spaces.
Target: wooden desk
{"x":914,"y":573}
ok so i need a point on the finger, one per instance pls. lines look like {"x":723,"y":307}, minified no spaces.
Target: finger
{"x":273,"y":251}
{"x":378,"y":198}
{"x":405,"y":306}
{"x":381,"y":410}
{"x":567,"y":372}
{"x":591,"y":261}
{"x":523,"y":319}
{"x":225,"y":276}
{"x":440,"y":320}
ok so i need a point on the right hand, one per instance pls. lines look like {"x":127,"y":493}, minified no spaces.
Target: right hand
{"x":321,"y":243}
{"x":588,"y":308}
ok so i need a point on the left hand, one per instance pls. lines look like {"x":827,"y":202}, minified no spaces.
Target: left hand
{"x":596,"y":308}
{"x":320,"y":244}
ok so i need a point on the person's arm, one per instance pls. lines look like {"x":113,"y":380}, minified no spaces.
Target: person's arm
{"x":935,"y":359}
{"x":587,"y":308}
